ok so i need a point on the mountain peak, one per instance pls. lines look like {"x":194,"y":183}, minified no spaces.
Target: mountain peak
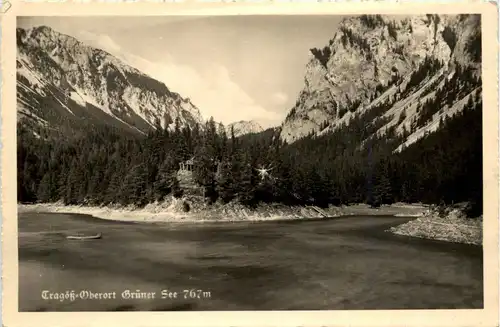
{"x":77,"y":77}
{"x":243,"y":127}
{"x":44,"y":29}
{"x":371,"y":59}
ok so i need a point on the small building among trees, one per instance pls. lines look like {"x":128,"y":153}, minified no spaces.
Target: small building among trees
{"x":187,"y":165}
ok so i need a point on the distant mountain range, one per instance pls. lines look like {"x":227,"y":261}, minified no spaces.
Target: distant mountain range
{"x":243,"y":127}
{"x":390,"y":70}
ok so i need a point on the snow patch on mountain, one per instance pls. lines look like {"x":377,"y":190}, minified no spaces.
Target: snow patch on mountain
{"x":33,"y":78}
{"x":90,"y":100}
{"x":78,"y":98}
{"x":434,"y":124}
{"x":26,"y":88}
{"x":25,"y":112}
{"x":64,"y":106}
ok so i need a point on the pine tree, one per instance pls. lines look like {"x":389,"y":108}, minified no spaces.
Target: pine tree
{"x":95,"y":186}
{"x":46,"y":188}
{"x":73,"y":182}
{"x":113,"y":193}
{"x":163,"y":184}
{"x":246,"y":182}
{"x":382,"y":191}
{"x":234,"y":143}
{"x":134,"y":186}
{"x":30,"y":177}
{"x":205,"y":157}
{"x":225,"y":182}
{"x":204,"y":170}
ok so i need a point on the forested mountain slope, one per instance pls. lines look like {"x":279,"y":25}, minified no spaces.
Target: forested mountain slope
{"x":65,"y":86}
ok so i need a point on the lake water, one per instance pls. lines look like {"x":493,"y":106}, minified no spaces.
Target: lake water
{"x":341,"y":263}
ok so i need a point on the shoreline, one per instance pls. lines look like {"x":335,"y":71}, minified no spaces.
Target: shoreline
{"x":160,"y":213}
{"x":170,"y":211}
{"x":426,"y":224}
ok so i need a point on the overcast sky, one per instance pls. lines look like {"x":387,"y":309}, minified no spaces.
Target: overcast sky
{"x":231,"y":67}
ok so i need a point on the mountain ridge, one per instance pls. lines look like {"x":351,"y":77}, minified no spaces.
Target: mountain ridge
{"x":68,"y":76}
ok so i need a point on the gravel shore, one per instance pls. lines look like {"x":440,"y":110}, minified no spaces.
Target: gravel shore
{"x":454,"y":227}
{"x":172,"y":210}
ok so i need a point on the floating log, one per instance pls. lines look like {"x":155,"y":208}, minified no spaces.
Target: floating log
{"x":84,"y":237}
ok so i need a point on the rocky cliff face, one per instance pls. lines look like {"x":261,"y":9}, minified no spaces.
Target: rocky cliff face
{"x":374,"y":60}
{"x":244,"y":127}
{"x":60,"y":78}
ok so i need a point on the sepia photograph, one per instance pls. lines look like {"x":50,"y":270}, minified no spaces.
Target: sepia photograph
{"x":250,"y":162}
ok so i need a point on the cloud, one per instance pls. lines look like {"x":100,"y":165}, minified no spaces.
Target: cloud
{"x":279,"y":98}
{"x":101,"y":41}
{"x":211,"y":89}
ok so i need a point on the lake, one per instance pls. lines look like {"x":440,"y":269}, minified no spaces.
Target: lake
{"x":329,"y":264}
